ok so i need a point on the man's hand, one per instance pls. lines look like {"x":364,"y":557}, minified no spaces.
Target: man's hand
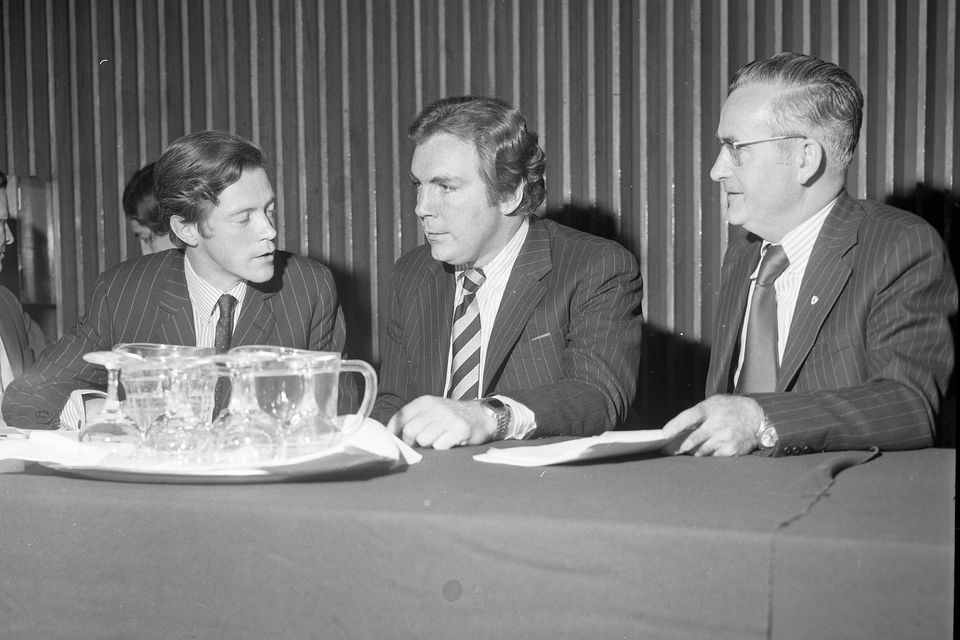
{"x":722,"y":425}
{"x":431,"y":421}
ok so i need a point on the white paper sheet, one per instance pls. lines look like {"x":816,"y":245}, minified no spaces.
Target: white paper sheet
{"x":606,"y":445}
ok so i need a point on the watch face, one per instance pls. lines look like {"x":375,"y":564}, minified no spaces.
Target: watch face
{"x":493,"y":403}
{"x":768,"y":437}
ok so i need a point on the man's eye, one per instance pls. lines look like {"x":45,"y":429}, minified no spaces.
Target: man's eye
{"x":446,"y":188}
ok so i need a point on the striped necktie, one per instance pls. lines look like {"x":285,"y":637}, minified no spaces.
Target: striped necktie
{"x":465,"y":381}
{"x":760,"y":359}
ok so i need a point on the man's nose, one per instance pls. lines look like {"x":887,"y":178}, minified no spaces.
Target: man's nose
{"x":721,"y":167}
{"x":424,"y":207}
{"x":269,"y":227}
{"x":7,"y":233}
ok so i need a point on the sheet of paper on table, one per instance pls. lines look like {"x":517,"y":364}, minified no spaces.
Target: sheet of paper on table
{"x":611,"y":444}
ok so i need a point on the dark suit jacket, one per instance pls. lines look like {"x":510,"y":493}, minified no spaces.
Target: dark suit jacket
{"x":146,"y":300}
{"x":870,"y":352}
{"x":14,"y":331}
{"x":566,"y":341}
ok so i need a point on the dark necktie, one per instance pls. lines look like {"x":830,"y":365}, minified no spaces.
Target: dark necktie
{"x":221,"y":343}
{"x":465,"y":381}
{"x":760,"y":359}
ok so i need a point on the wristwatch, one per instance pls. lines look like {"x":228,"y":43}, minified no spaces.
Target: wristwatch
{"x":767,"y":434}
{"x":501,"y":413}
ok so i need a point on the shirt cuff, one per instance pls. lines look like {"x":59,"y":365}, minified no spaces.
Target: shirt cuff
{"x":73,"y":416}
{"x":523,"y":423}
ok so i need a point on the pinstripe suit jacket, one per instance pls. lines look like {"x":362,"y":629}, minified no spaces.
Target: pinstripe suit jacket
{"x":146,"y":300}
{"x":14,"y":332}
{"x":566,"y":341}
{"x":870,"y":351}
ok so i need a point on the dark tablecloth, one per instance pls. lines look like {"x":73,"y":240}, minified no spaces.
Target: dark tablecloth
{"x":649,"y":547}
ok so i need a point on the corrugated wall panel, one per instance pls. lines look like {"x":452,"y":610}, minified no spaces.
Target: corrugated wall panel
{"x":625,"y":95}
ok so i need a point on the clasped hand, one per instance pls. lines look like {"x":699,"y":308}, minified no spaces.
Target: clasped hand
{"x":721,"y":425}
{"x":441,"y":423}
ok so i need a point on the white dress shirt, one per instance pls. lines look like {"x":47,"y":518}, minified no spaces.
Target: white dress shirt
{"x":203,"y":299}
{"x":489,"y":296}
{"x":797,"y":245}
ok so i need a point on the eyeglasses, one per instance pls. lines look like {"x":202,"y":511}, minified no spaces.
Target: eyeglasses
{"x":733,"y":148}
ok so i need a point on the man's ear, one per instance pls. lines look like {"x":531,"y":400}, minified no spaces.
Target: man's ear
{"x":186,"y":231}
{"x":813,"y":158}
{"x":510,"y":203}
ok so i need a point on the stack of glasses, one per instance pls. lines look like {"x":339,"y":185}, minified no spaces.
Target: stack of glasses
{"x":283,"y":403}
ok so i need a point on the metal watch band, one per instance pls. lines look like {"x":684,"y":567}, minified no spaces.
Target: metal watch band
{"x":501,"y":412}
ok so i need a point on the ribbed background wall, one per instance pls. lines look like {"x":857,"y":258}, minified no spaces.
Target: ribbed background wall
{"x":625,"y":96}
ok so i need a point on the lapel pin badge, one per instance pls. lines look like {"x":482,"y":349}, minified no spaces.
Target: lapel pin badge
{"x":814,"y":300}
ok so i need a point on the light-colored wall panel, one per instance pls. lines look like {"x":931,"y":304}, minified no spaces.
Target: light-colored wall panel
{"x":625,"y":95}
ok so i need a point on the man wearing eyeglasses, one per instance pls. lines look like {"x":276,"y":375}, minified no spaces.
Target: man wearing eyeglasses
{"x":832,"y":328}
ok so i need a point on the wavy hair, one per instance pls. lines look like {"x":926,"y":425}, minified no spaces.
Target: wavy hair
{"x":194,"y":170}
{"x":508,"y":151}
{"x":820,"y":96}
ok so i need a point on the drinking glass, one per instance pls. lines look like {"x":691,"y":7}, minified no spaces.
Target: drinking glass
{"x":181,"y":432}
{"x":112,"y":427}
{"x":243,"y":432}
{"x":145,"y":378}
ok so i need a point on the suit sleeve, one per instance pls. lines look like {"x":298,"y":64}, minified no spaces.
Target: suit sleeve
{"x":601,"y":354}
{"x":907,"y":354}
{"x":328,"y":331}
{"x":34,"y":400}
{"x":392,"y":394}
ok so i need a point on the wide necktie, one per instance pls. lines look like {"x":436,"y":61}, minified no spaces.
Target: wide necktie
{"x":221,"y":343}
{"x":760,"y":359}
{"x":465,"y":381}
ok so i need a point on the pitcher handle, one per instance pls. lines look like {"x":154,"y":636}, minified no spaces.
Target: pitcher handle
{"x":369,"y":384}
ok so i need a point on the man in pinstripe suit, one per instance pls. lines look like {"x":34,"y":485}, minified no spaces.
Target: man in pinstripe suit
{"x":216,"y":196}
{"x":558,"y":340}
{"x":20,"y":337}
{"x":862,"y":310}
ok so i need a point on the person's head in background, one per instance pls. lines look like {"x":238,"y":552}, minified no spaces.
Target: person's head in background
{"x":6,"y":235}
{"x":143,"y":213}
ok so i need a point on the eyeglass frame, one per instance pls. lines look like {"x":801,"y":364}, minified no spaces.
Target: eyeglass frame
{"x":733,"y":148}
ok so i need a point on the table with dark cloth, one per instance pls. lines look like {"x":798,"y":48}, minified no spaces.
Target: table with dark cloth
{"x":819,"y":546}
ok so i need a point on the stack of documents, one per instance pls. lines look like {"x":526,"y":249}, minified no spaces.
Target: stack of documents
{"x":606,"y":445}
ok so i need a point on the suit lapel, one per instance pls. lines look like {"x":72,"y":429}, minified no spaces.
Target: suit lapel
{"x":523,"y":292}
{"x":257,"y":320}
{"x":738,"y":266}
{"x":436,"y":322}
{"x":175,"y":316}
{"x":824,"y":280}
{"x":13,"y":342}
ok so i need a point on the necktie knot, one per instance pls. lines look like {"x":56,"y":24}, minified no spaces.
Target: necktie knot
{"x":472,"y":279}
{"x":774,"y":262}
{"x":226,"y":303}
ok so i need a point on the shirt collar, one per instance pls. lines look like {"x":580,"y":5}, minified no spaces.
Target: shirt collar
{"x":203,"y":295}
{"x":798,"y":242}
{"x":502,"y":263}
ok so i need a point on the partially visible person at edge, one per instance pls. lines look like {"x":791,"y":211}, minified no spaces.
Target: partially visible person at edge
{"x":217,"y":198}
{"x":143,"y":212}
{"x":859,"y":341}
{"x":504,"y":324}
{"x":21,"y":339}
